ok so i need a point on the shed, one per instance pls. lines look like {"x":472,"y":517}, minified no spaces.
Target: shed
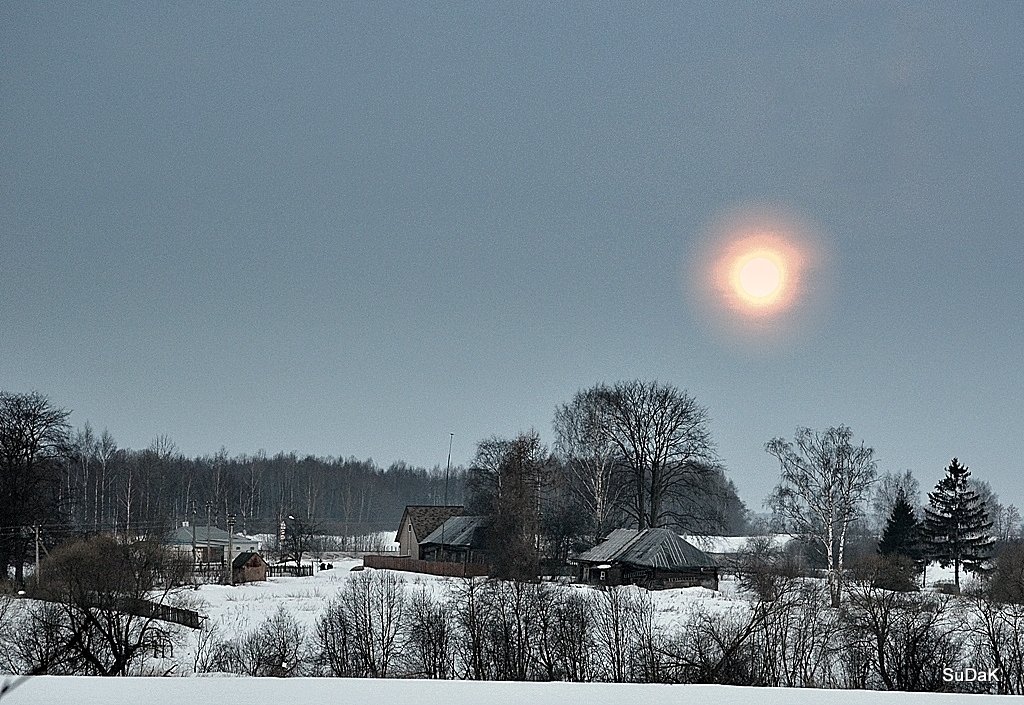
{"x":652,"y":558}
{"x":418,"y":521}
{"x":249,"y":567}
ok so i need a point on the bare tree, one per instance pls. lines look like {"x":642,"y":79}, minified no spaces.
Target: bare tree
{"x":106,"y":448}
{"x":34,"y":447}
{"x":885,"y":493}
{"x":661,"y":437}
{"x":506,"y":483}
{"x":107,"y":591}
{"x":431,"y":635}
{"x":825,"y":479}
{"x":299,"y":539}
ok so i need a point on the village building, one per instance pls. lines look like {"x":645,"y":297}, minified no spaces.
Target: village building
{"x":460,"y":539}
{"x":248,"y":567}
{"x":652,"y":558}
{"x":209,"y":545}
{"x":418,"y":522}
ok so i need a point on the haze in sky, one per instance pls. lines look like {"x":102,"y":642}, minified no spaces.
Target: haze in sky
{"x":355,"y":228}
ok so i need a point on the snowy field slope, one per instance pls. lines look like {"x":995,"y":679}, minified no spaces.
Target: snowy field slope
{"x":237,"y":610}
{"x":81,"y":690}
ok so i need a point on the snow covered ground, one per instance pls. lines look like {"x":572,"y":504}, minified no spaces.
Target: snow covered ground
{"x":237,"y":610}
{"x":81,"y":690}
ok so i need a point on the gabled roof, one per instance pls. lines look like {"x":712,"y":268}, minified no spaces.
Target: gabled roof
{"x":650,"y":548}
{"x":427,"y":517}
{"x":460,"y":531}
{"x":242,"y":558}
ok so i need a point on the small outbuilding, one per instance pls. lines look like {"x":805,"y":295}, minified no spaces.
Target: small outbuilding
{"x":249,"y":567}
{"x":653,"y":558}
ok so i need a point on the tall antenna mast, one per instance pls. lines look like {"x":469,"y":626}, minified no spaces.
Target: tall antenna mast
{"x":451,"y":437}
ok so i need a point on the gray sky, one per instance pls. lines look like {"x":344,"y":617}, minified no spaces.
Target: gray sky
{"x":352,"y":229}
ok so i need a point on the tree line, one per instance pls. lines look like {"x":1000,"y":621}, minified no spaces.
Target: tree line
{"x":827,"y":485}
{"x":71,"y":481}
{"x":632,"y":454}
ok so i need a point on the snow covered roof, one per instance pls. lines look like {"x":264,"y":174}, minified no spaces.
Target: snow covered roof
{"x":182,"y":536}
{"x":650,"y":548}
{"x":734,"y":544}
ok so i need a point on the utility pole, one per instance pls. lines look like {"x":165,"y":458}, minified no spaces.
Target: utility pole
{"x":195,"y":557}
{"x":209,"y":512}
{"x":37,"y":554}
{"x":448,"y":468}
{"x":231,"y":549}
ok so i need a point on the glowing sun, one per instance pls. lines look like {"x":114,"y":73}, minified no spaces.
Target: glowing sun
{"x":759,"y":277}
{"x":759,"y":273}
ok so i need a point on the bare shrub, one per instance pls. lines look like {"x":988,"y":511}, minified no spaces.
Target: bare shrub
{"x":573,"y":635}
{"x":511,"y":610}
{"x":765,"y":569}
{"x":902,"y":641}
{"x":430,"y":636}
{"x":796,"y":643}
{"x":616,"y":615}
{"x":996,"y":637}
{"x":275,"y":648}
{"x":37,"y":642}
{"x":471,"y":619}
{"x":1007,"y":584}
{"x":361,"y":633}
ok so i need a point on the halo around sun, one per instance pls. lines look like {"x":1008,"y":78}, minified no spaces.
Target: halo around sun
{"x":760,"y":271}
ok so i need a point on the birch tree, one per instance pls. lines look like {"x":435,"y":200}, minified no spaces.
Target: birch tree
{"x":825,"y":479}
{"x":589,"y":454}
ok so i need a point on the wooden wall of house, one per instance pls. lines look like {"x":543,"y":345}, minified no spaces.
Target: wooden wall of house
{"x":408,"y":544}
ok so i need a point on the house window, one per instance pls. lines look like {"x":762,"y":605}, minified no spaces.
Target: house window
{"x":603,"y":575}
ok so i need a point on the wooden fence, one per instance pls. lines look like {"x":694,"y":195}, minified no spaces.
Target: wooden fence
{"x":165,"y":613}
{"x":445,"y":568}
{"x":292,"y":571}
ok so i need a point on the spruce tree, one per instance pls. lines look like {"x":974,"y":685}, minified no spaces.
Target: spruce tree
{"x":901,"y":547}
{"x":956,"y":524}
{"x":902,"y":534}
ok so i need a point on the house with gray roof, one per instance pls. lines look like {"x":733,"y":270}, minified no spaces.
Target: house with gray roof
{"x":652,"y":558}
{"x":418,"y":522}
{"x":460,"y":539}
{"x":209,"y":544}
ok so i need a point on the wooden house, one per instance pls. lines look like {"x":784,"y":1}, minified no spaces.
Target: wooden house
{"x":418,"y":522}
{"x":460,"y":539}
{"x":652,"y":558}
{"x":249,"y":567}
{"x":209,"y":545}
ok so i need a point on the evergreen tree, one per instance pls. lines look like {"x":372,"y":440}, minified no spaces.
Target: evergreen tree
{"x":902,"y":534}
{"x":901,"y":547}
{"x":956,"y":525}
